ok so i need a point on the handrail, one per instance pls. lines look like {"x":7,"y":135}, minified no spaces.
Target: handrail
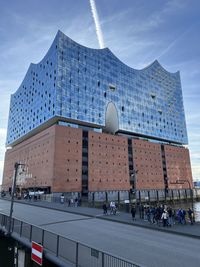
{"x":100,"y":255}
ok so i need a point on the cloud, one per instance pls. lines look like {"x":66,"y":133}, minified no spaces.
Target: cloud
{"x":97,"y":24}
{"x":173,"y":43}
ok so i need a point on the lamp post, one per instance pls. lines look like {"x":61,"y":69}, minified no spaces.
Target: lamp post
{"x":16,"y":166}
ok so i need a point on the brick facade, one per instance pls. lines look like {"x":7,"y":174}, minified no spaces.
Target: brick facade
{"x":178,"y":166}
{"x":67,"y":160}
{"x":54,"y":158}
{"x":38,"y":154}
{"x":147,"y":160}
{"x":108,"y":162}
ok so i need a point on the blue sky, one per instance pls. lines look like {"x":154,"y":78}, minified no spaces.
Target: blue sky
{"x":136,"y":31}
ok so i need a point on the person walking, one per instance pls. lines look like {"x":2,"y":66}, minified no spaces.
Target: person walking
{"x":133,"y":212}
{"x":191,"y":216}
{"x":62,"y":198}
{"x":164,"y":218}
{"x":170,"y":217}
{"x":141,"y":211}
{"x":105,"y":209}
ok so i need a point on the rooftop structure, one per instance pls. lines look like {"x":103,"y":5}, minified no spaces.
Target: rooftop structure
{"x":83,"y":86}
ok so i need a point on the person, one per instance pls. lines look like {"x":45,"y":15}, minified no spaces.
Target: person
{"x":133,"y":212}
{"x":3,"y":193}
{"x":76,"y":202}
{"x":191,"y":216}
{"x":79,"y":201}
{"x":62,"y":199}
{"x":183,"y":213}
{"x":105,"y":209}
{"x":179,"y":215}
{"x":141,"y":210}
{"x":164,"y":218}
{"x":170,"y":217}
{"x":112,"y":208}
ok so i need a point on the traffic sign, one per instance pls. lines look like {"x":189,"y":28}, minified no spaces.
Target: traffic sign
{"x":36,"y":253}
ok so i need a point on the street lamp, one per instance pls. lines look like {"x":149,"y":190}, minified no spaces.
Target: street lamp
{"x":16,"y":166}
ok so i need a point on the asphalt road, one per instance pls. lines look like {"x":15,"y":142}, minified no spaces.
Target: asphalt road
{"x":144,"y":246}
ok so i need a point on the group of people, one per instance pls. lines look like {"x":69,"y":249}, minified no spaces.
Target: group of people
{"x":164,"y":214}
{"x":160,"y":215}
{"x":112,"y":206}
{"x":72,"y":202}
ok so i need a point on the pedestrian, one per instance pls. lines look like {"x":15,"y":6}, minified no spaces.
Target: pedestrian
{"x":62,"y":199}
{"x":79,"y":201}
{"x":112,"y":208}
{"x":179,"y":215}
{"x":191,"y":216}
{"x":133,"y":212}
{"x":164,"y":218}
{"x":170,"y":217}
{"x":105,"y":209}
{"x":183,"y":213}
{"x":76,"y":202}
{"x":141,"y":210}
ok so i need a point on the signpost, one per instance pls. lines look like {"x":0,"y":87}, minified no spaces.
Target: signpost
{"x":37,"y":253}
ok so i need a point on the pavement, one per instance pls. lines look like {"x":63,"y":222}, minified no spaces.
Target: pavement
{"x":120,"y":217}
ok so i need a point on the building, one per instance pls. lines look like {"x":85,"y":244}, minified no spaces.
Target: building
{"x":84,"y":122}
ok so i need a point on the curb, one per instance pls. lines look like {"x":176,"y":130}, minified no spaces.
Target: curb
{"x":37,"y":204}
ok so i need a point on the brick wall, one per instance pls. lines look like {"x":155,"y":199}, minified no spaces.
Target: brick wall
{"x":148,"y":161}
{"x":38,"y":154}
{"x":178,"y":166}
{"x":108,"y":162}
{"x":68,"y":160}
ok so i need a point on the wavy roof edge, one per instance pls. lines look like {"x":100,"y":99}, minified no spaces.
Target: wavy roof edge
{"x":103,"y":50}
{"x":106,"y":49}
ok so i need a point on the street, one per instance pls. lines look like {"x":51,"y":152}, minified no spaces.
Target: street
{"x":145,"y":247}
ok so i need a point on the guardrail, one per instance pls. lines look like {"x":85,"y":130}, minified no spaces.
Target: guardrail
{"x":66,"y":250}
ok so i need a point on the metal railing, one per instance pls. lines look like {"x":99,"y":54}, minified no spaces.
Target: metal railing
{"x":65,"y":249}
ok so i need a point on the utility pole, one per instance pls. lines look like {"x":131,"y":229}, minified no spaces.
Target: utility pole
{"x":16,"y":166}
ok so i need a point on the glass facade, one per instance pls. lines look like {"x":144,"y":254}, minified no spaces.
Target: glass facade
{"x":76,"y":83}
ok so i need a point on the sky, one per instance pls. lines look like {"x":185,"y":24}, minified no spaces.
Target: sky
{"x":136,"y":31}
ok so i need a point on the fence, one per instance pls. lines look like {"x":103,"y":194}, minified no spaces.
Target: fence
{"x":67,"y":250}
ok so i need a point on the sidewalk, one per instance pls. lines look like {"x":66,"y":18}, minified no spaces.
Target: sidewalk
{"x":121,"y":217}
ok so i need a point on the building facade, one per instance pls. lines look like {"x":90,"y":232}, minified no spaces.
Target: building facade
{"x":84,"y":122}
